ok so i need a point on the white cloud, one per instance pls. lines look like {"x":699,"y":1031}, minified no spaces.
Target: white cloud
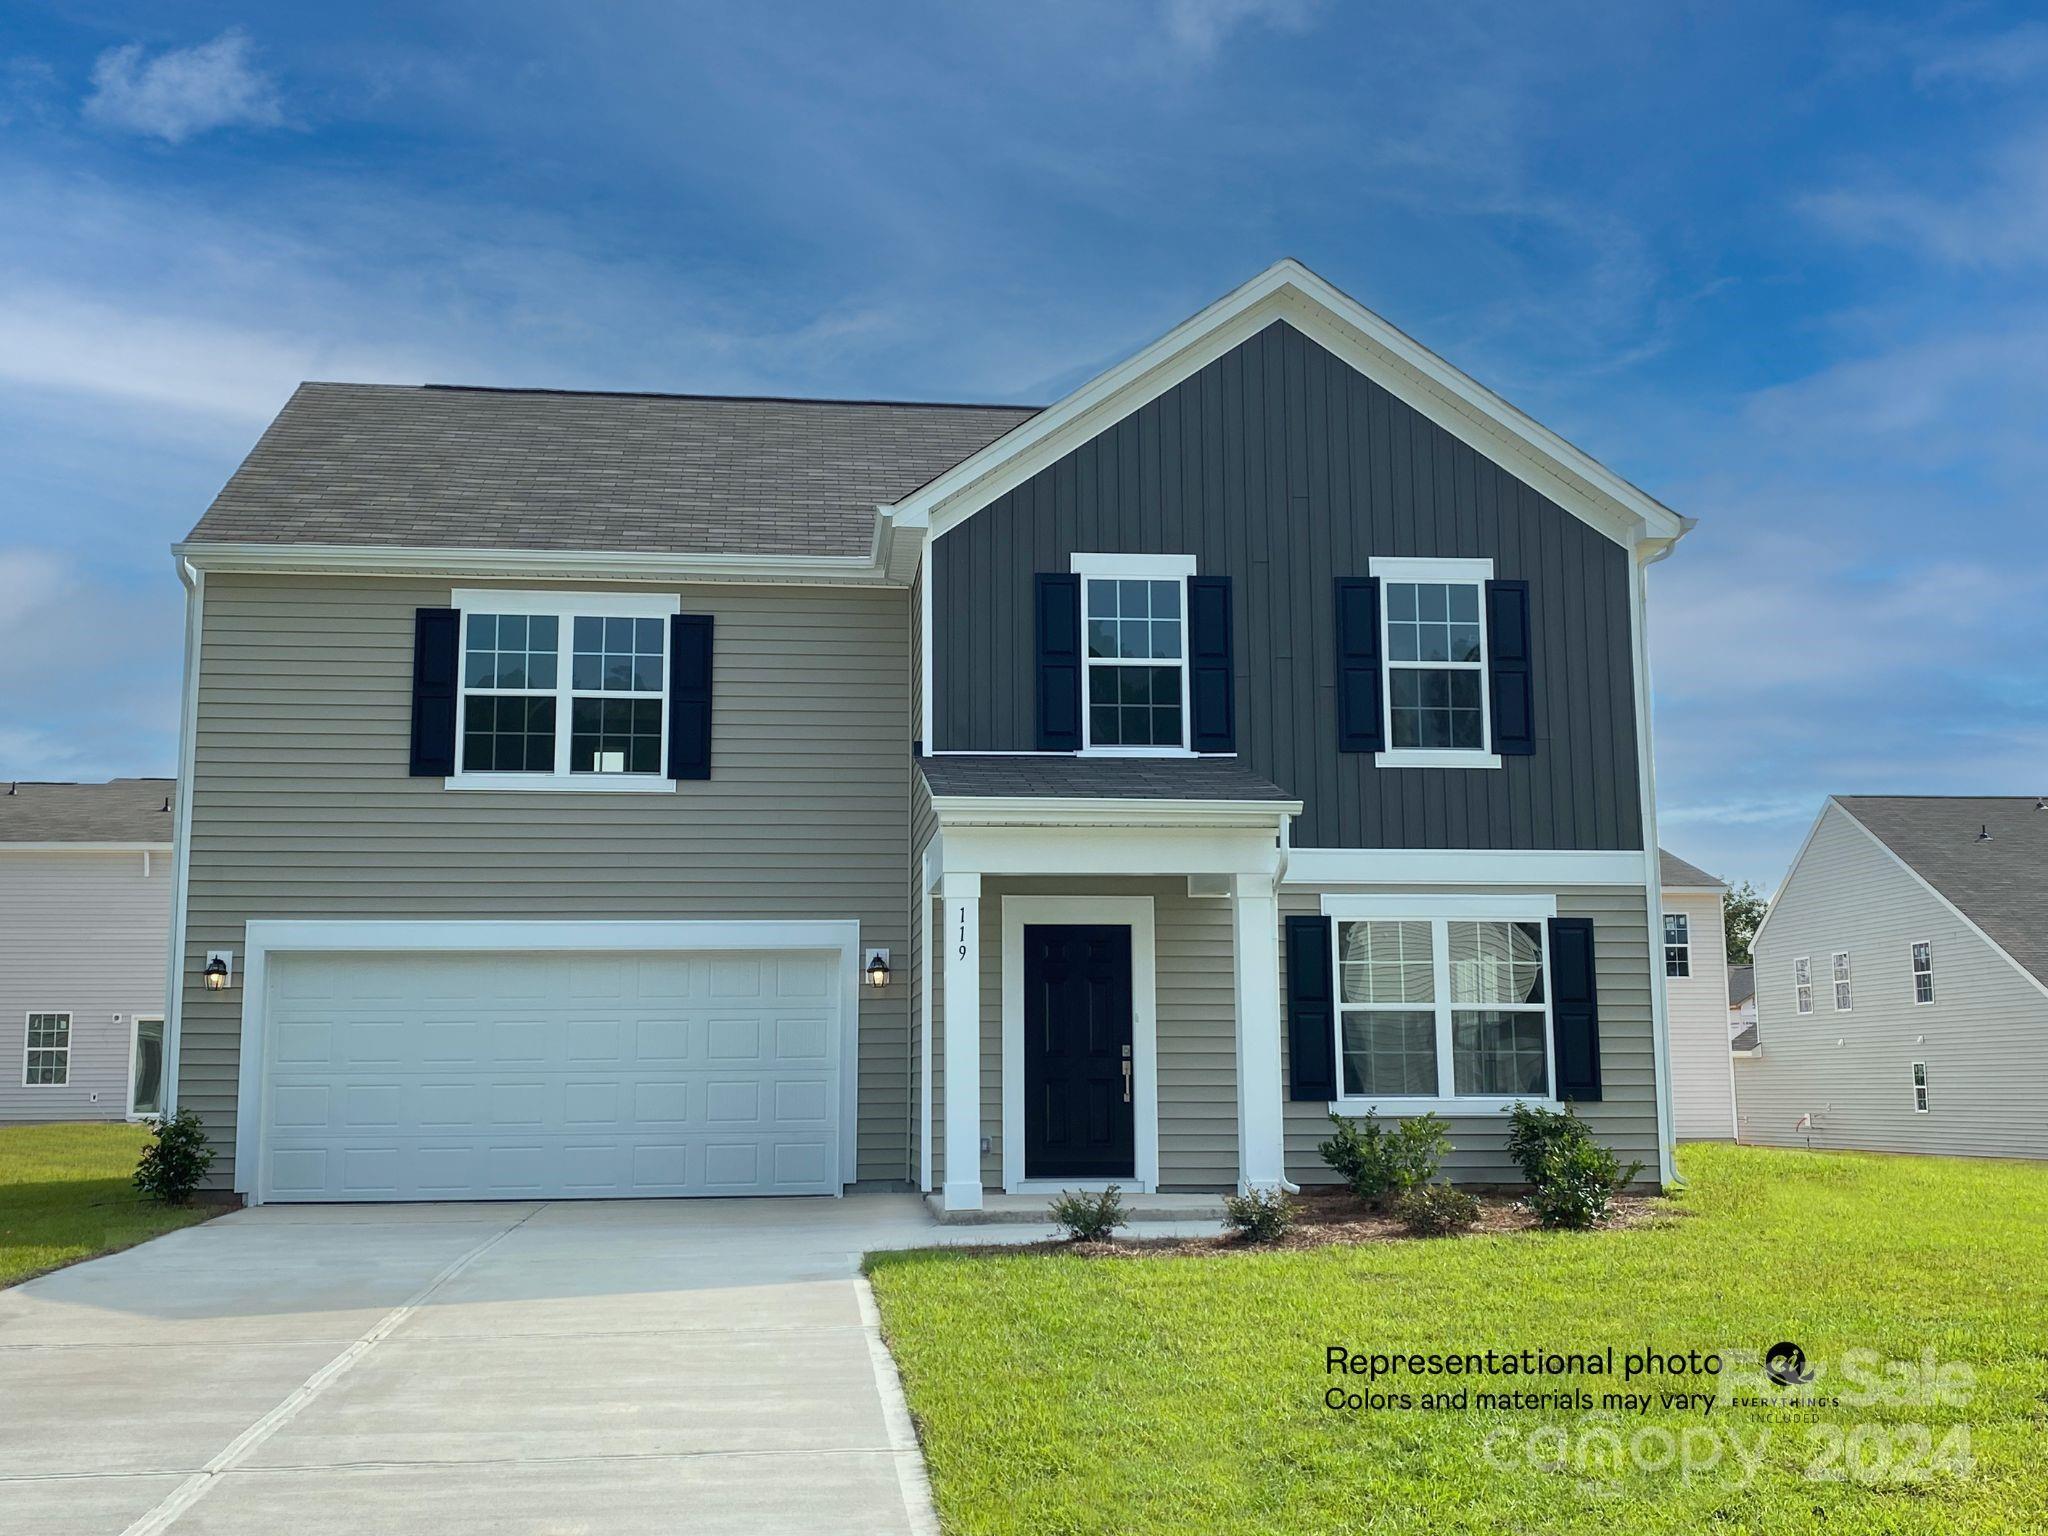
{"x":1200,"y":27}
{"x":2000,"y":223}
{"x":2001,"y":58}
{"x":183,"y":91}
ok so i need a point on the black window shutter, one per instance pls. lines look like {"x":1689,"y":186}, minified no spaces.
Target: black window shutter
{"x":1575,"y":1008}
{"x":1311,"y":1012}
{"x":1360,"y":722}
{"x":436,"y":661}
{"x":1058,"y":605}
{"x":1212,"y":691}
{"x":1509,"y":678}
{"x":689,"y":696}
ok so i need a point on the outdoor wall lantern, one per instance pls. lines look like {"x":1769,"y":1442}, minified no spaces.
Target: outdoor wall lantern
{"x":878,"y":967}
{"x":219,"y":968}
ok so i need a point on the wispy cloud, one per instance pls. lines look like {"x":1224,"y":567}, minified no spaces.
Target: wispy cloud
{"x":1201,"y":27}
{"x":1996,"y":58}
{"x":183,"y":91}
{"x":2000,"y":221}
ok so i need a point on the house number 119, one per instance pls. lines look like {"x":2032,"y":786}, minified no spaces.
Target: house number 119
{"x":963,"y":934}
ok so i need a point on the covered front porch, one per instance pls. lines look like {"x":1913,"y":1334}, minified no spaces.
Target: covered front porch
{"x":1115,"y":924}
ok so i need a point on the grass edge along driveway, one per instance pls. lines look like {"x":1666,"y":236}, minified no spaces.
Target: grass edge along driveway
{"x":1056,"y":1394}
{"x":66,"y":1195}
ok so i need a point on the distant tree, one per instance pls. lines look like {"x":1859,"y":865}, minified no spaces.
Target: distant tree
{"x":1740,"y":914}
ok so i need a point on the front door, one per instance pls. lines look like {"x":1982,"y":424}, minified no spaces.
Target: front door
{"x":1078,"y":1121}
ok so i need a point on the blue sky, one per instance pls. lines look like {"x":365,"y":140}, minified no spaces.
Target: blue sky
{"x":1781,"y":265}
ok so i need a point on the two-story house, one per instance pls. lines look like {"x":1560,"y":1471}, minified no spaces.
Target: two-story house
{"x":641,"y":795}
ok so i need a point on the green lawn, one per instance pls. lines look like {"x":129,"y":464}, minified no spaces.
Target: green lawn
{"x":1057,"y":1394}
{"x":65,"y":1195}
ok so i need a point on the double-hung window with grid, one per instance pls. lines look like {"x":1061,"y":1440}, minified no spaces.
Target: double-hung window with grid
{"x":1134,"y":639}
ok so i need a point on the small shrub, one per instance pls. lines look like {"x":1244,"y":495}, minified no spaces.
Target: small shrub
{"x":1090,"y":1218}
{"x":1575,"y":1186}
{"x":1261,"y":1216}
{"x":173,"y":1164}
{"x":1535,"y":1134}
{"x":1437,"y":1210}
{"x":1381,"y":1164}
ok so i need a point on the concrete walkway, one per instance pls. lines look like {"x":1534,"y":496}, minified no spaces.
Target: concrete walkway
{"x":619,"y":1367}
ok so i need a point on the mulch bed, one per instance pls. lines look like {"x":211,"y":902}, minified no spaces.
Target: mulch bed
{"x":1338,"y":1218}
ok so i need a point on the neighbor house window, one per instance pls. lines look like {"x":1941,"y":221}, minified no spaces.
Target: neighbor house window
{"x":1920,"y":1087}
{"x":1677,"y":944}
{"x":1802,"y":984}
{"x":1442,"y":1008}
{"x":1923,"y":973}
{"x":561,"y":690}
{"x":1133,"y":620}
{"x":1842,"y":982}
{"x":47,"y":1059}
{"x":1434,"y":645}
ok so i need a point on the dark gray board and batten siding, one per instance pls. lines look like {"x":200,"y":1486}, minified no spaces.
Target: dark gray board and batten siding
{"x":1282,"y":467}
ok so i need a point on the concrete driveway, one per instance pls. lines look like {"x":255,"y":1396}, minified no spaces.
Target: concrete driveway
{"x":620,"y":1367}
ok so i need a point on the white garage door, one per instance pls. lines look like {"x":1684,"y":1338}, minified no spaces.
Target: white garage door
{"x":510,"y":1076}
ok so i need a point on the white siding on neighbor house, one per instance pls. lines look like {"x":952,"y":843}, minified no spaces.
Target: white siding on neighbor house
{"x":1984,"y":1038}
{"x":302,"y":806}
{"x":1696,"y":1006}
{"x":1625,"y":1118}
{"x":83,"y":933}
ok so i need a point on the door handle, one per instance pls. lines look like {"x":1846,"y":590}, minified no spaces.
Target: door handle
{"x":1127,"y":1079}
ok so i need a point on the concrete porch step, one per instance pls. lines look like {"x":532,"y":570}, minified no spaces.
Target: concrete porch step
{"x":1035,"y":1210}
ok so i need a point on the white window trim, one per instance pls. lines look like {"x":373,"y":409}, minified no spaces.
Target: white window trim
{"x":1804,"y":1006}
{"x":565,"y":606}
{"x":1840,"y":976}
{"x":1438,"y":910}
{"x":70,"y":1023}
{"x":1919,"y":1078}
{"x":1913,"y":967}
{"x":1686,"y":974}
{"x":1386,"y":568}
{"x":1135,"y":568}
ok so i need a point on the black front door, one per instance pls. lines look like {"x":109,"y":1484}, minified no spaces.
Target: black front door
{"x":1078,"y":1121}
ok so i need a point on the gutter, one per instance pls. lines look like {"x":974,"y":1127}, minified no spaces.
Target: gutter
{"x":194,"y":580}
{"x":531,"y":564}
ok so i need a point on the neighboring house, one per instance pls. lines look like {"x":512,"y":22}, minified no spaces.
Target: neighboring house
{"x":1696,"y":996}
{"x":85,"y":918}
{"x":646,"y":795}
{"x":1902,"y":982}
{"x":1741,"y":1005}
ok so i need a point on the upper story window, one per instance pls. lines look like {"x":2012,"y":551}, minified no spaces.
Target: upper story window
{"x":1434,"y":645}
{"x":563,"y":690}
{"x":1842,"y":997}
{"x":46,"y":1052}
{"x":1134,"y":641}
{"x":1802,"y":984}
{"x":1441,"y":1009}
{"x":1677,"y":944}
{"x":1923,"y":973}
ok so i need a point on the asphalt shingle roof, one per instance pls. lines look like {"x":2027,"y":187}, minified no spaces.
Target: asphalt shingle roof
{"x":1741,"y":984}
{"x":1097,"y":778}
{"x":2001,"y":885}
{"x":1745,"y":1039}
{"x":119,"y":811}
{"x":426,"y":466}
{"x":1678,"y":875}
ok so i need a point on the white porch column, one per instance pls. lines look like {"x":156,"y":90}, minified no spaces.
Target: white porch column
{"x":959,"y":931}
{"x":1261,"y":1151}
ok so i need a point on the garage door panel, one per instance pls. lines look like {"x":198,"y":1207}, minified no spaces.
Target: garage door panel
{"x":729,"y":1085}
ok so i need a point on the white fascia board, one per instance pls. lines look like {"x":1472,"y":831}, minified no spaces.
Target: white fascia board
{"x":85,"y":847}
{"x":529,"y":564}
{"x":971,"y":852}
{"x":1287,"y":290}
{"x":1546,"y":868}
{"x":1053,"y":811}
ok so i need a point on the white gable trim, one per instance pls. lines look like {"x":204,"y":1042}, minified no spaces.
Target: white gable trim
{"x":1289,"y":291}
{"x":1911,"y":873}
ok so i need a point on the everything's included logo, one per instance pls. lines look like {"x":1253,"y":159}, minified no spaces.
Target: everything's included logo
{"x":1598,"y":1392}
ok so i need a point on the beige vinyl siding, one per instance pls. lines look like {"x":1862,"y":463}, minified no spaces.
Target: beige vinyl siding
{"x":1625,"y":1118}
{"x":302,"y":807}
{"x":83,"y":933}
{"x":1984,"y":1038}
{"x":1696,"y":1006}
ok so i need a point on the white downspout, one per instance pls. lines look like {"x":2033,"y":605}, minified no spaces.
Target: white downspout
{"x":1653,"y":874}
{"x":194,"y":581}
